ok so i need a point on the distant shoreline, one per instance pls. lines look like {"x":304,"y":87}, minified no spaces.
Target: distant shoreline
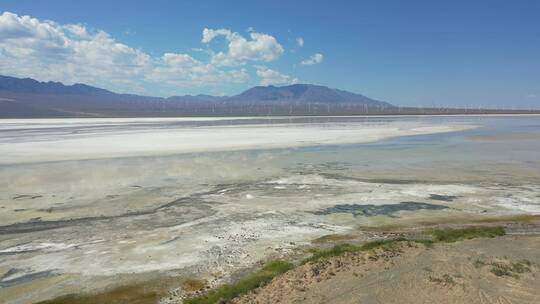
{"x":225,"y":117}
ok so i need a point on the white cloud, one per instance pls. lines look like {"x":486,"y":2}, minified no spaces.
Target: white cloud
{"x":210,"y":34}
{"x":273,"y":77}
{"x":70,"y":53}
{"x":184,"y":70}
{"x":261,"y":47}
{"x":77,"y":30}
{"x":49,"y":51}
{"x":314,"y":59}
{"x":300,"y":41}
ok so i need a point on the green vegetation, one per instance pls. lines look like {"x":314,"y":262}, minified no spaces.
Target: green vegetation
{"x":385,"y":244}
{"x":479,"y":263}
{"x":445,"y":279}
{"x":500,"y":270}
{"x":333,"y":238}
{"x":525,"y":262}
{"x":230,"y":291}
{"x":427,"y":243}
{"x":341,"y":249}
{"x":438,"y":235}
{"x":398,"y":224}
{"x":520,"y":267}
{"x":151,"y":293}
{"x":334,"y":251}
{"x":509,"y":269}
{"x":512,"y":269}
{"x":453,"y":235}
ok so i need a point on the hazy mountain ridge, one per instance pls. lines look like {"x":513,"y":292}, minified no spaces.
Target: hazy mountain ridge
{"x":29,"y":85}
{"x":290,"y":93}
{"x":305,"y":93}
{"x":26,"y":97}
{"x":29,"y":98}
{"x":199,"y":97}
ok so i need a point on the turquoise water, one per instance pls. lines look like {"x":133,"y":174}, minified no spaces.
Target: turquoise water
{"x":501,"y":149}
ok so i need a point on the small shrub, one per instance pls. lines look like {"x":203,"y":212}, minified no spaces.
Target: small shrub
{"x":525,"y":262}
{"x":453,"y":235}
{"x":445,"y":279}
{"x":448,"y":279}
{"x":501,"y":270}
{"x":478,"y":263}
{"x":521,"y":266}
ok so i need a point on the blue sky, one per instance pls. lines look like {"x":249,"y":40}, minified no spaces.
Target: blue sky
{"x":421,"y":53}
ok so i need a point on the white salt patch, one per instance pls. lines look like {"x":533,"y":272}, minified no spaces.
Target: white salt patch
{"x":518,"y":204}
{"x":424,"y":191}
{"x":95,"y":143}
{"x":39,"y":246}
{"x":303,"y":180}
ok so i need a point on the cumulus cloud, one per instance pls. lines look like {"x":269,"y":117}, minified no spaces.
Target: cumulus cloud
{"x":314,"y":59}
{"x":71,"y":53}
{"x":77,"y":30}
{"x":300,"y":41}
{"x":260,"y":47}
{"x":210,"y":34}
{"x":184,"y":70}
{"x":273,"y":77}
{"x":46,"y":50}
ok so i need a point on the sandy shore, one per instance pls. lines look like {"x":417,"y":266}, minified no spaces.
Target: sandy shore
{"x":459,"y":272}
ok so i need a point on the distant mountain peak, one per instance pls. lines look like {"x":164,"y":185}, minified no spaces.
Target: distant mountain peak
{"x":29,"y":85}
{"x":305,"y":93}
{"x":26,"y":97}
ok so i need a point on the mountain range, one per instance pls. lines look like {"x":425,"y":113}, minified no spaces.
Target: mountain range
{"x":29,"y":98}
{"x":26,"y":97}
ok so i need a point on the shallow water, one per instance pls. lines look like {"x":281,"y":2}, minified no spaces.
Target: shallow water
{"x":154,"y":209}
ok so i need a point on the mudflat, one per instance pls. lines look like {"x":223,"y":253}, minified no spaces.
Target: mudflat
{"x":147,"y":224}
